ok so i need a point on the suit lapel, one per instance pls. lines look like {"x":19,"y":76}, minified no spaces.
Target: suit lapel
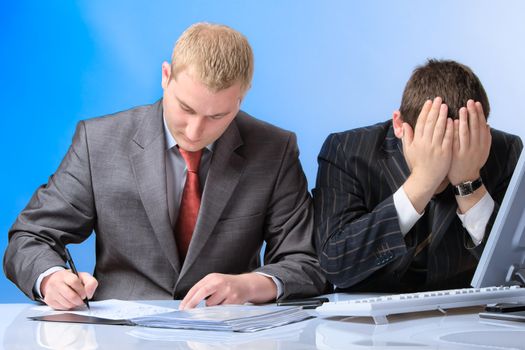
{"x":393,"y":164}
{"x":147,"y":156}
{"x":396,"y":172}
{"x":223,"y":176}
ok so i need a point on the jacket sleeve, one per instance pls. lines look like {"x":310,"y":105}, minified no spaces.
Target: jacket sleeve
{"x":60,"y":212}
{"x":352,"y":239}
{"x":290,"y":255}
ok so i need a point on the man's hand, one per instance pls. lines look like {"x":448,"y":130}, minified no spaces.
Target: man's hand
{"x":428,"y":152}
{"x":63,"y":290}
{"x":218,"y":289}
{"x":472,"y":140}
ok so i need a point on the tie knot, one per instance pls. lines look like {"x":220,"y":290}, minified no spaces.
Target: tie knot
{"x":192,"y":159}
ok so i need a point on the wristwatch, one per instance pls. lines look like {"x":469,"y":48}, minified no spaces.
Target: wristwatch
{"x":467,"y":188}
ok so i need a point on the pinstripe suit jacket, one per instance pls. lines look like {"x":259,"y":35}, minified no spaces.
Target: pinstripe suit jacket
{"x":359,"y":242}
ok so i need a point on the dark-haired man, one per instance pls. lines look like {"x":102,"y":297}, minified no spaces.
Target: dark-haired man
{"x":406,"y":205}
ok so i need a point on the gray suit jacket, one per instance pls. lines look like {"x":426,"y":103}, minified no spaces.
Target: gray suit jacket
{"x":113,"y":181}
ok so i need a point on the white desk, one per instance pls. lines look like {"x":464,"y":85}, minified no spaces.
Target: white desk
{"x":459,"y":329}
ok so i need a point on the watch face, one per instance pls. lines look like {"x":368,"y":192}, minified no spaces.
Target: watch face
{"x":467,"y":187}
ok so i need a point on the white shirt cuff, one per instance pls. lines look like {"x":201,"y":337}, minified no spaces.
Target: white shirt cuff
{"x":277,"y":282}
{"x":406,"y":213}
{"x":36,"y":288}
{"x":476,"y":218}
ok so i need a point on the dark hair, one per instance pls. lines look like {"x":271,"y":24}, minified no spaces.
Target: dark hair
{"x":454,"y":82}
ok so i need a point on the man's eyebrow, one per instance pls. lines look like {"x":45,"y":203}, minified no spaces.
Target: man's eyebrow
{"x":185,"y":105}
{"x":218,"y":115}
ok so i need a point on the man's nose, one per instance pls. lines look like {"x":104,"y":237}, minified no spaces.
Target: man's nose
{"x":194,"y":128}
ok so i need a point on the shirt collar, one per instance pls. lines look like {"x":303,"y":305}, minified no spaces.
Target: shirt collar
{"x":171,"y":142}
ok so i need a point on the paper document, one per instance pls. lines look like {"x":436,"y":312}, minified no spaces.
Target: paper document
{"x":289,"y":333}
{"x":237,"y":318}
{"x":113,"y":309}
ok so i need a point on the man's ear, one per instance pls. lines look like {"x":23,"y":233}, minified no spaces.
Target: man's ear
{"x":166,"y":74}
{"x":397,"y":123}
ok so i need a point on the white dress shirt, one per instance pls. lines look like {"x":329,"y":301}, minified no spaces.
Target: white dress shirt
{"x":474,"y":220}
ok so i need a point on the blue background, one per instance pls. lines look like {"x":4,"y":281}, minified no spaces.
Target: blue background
{"x":321,"y":66}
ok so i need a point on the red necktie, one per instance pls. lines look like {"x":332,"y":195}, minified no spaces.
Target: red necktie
{"x":190,"y":202}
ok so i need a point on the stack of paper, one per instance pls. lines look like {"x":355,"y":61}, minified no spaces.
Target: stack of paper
{"x":237,"y":318}
{"x":287,"y":333}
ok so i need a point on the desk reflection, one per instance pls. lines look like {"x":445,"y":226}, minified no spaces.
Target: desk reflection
{"x":22,"y":333}
{"x":56,"y":335}
{"x":425,"y":330}
{"x":459,"y":329}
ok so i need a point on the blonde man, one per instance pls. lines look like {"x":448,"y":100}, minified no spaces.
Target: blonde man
{"x":181,"y":195}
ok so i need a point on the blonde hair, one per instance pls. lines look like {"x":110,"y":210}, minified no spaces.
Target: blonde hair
{"x":218,"y":56}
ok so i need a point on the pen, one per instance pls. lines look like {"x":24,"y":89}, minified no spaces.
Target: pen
{"x":74,"y":269}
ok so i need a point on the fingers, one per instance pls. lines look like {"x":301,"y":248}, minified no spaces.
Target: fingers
{"x":473,"y":122}
{"x":428,"y":150}
{"x":63,"y":290}
{"x":89,"y":282}
{"x":62,"y":297}
{"x":422,"y":118}
{"x":432,"y":118}
{"x":488,"y":143}
{"x":485,"y":135}
{"x":441,"y":125}
{"x":485,"y":138}
{"x":218,"y":289}
{"x":432,"y":121}
{"x":472,"y":142}
{"x":71,"y":297}
{"x":59,"y":302}
{"x":473,"y":128}
{"x":75,"y":284}
{"x":455,"y":146}
{"x":481,"y":113}
{"x":54,"y":295}
{"x":217,"y":298}
{"x":448,"y":137}
{"x":464,"y":140}
{"x":188,"y":301}
{"x":201,"y":294}
{"x":200,"y":291}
